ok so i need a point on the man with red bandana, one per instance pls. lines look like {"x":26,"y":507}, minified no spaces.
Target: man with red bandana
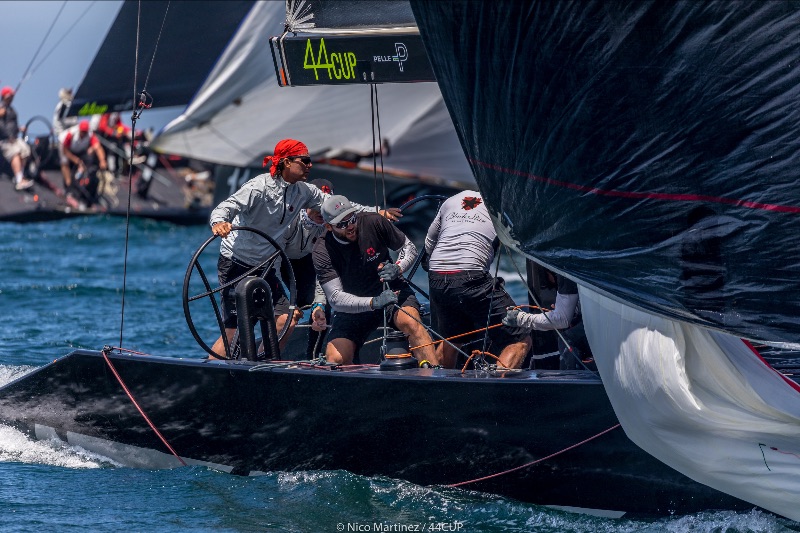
{"x":269,"y":202}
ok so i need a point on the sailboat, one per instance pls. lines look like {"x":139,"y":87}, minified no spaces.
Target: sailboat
{"x":542,"y":436}
{"x":220,"y":69}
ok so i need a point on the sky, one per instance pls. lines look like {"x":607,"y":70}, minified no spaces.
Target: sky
{"x":64,"y":58}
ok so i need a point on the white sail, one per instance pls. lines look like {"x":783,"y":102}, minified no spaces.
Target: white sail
{"x":240,"y":112}
{"x":701,"y":401}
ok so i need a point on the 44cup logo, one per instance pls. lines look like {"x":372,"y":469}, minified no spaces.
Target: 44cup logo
{"x":339,"y":65}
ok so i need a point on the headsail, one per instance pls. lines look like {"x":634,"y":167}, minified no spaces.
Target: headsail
{"x":701,"y":401}
{"x":650,"y":152}
{"x":240,"y":112}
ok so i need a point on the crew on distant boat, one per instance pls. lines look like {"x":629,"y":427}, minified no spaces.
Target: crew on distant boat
{"x":119,"y":137}
{"x":82,"y":149}
{"x":298,"y":243}
{"x":14,"y":150}
{"x":353,"y":263}
{"x":461,"y":244}
{"x":61,"y":123}
{"x":565,"y":317}
{"x":269,"y":202}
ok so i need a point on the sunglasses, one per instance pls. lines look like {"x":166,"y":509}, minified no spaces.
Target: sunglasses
{"x":306,"y":160}
{"x":344,"y":223}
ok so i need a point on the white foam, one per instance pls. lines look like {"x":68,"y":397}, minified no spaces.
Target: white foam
{"x":15,"y":446}
{"x":9,"y":373}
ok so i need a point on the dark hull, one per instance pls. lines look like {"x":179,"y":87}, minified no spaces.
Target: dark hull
{"x":430,"y":427}
{"x":166,"y":201}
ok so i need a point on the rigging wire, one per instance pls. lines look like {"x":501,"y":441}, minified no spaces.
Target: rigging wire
{"x":155,"y":50}
{"x":380,"y":145}
{"x":55,"y":46}
{"x":375,"y":112}
{"x":145,"y":102}
{"x":28,"y":72}
{"x":108,"y":349}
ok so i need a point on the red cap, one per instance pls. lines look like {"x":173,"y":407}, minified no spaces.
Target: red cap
{"x":284,"y":148}
{"x":6,"y":91}
{"x":83,"y":126}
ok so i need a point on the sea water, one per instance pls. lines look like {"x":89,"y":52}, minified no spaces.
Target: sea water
{"x":62,"y":289}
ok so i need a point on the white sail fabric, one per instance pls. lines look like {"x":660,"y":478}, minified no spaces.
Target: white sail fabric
{"x":701,"y":401}
{"x":240,"y":113}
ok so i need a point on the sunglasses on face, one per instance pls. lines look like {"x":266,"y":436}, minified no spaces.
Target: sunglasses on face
{"x":306,"y":160}
{"x":344,"y":223}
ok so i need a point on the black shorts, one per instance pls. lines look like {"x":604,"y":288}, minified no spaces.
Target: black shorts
{"x":305,"y":278}
{"x":229,"y":269}
{"x":357,"y":327}
{"x":460,"y":303}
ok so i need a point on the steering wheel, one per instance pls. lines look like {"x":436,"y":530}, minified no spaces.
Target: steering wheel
{"x":42,"y":146}
{"x":266,"y":265}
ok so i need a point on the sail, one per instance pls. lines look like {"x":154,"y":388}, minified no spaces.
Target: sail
{"x":701,"y":401}
{"x":650,"y":151}
{"x":240,"y":112}
{"x":186,"y":38}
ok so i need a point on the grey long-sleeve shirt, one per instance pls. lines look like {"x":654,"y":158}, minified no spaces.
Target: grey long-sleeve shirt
{"x":269,"y":204}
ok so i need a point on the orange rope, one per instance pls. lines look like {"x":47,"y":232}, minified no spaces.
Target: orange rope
{"x":478,"y":352}
{"x":534,"y":462}
{"x":455,"y":336}
{"x":475,"y":330}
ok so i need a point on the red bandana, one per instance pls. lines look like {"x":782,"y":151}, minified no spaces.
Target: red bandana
{"x":284,"y":148}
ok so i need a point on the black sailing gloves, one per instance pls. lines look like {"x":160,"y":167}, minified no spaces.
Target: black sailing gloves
{"x":389,"y":272}
{"x":384,"y":299}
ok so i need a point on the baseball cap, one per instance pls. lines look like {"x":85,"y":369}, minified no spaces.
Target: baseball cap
{"x":6,"y":91}
{"x":84,"y":125}
{"x":336,"y":208}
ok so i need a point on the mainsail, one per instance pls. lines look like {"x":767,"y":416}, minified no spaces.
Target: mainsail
{"x":650,"y":152}
{"x":184,"y":53}
{"x":239,"y":112}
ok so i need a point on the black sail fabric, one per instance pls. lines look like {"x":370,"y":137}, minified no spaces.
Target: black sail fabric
{"x":193,"y":36}
{"x":648,"y":149}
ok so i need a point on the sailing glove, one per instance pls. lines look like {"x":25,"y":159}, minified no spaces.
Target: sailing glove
{"x":517,"y":319}
{"x":384,"y":299}
{"x":389,"y":272}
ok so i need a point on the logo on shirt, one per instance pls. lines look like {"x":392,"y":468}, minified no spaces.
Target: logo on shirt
{"x":370,"y":251}
{"x":470,"y":202}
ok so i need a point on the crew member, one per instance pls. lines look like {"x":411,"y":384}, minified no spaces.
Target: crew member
{"x":461,"y":246}
{"x":353,"y":263}
{"x":269,"y":202}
